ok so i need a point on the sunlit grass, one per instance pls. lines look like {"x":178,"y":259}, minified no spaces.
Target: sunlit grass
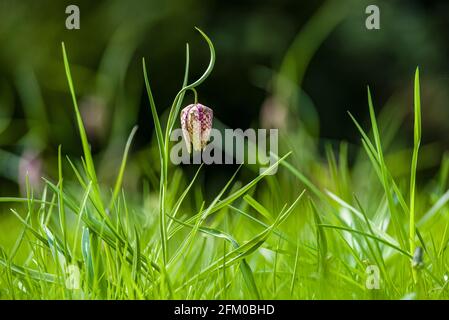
{"x":294,"y":235}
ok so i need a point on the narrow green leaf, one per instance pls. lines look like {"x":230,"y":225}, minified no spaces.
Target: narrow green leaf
{"x":118,"y":182}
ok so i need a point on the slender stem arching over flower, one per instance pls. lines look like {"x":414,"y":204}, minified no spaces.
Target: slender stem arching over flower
{"x":196,"y":124}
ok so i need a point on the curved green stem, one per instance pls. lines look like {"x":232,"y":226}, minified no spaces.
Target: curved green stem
{"x":164,"y":141}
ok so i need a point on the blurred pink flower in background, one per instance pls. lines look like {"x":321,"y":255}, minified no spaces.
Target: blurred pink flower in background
{"x":93,"y":112}
{"x":30,"y":164}
{"x":273,"y":114}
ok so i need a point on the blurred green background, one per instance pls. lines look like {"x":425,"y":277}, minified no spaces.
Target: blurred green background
{"x":321,"y":47}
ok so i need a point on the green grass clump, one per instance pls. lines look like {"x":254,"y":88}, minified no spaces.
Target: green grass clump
{"x":298,"y":234}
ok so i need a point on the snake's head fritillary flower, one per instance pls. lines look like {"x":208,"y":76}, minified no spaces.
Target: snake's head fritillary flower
{"x":196,"y":124}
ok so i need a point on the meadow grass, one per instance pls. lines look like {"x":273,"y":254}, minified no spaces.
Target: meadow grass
{"x":314,"y":233}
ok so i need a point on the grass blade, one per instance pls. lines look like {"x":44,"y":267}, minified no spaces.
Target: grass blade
{"x":119,"y":180}
{"x":417,"y":142}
